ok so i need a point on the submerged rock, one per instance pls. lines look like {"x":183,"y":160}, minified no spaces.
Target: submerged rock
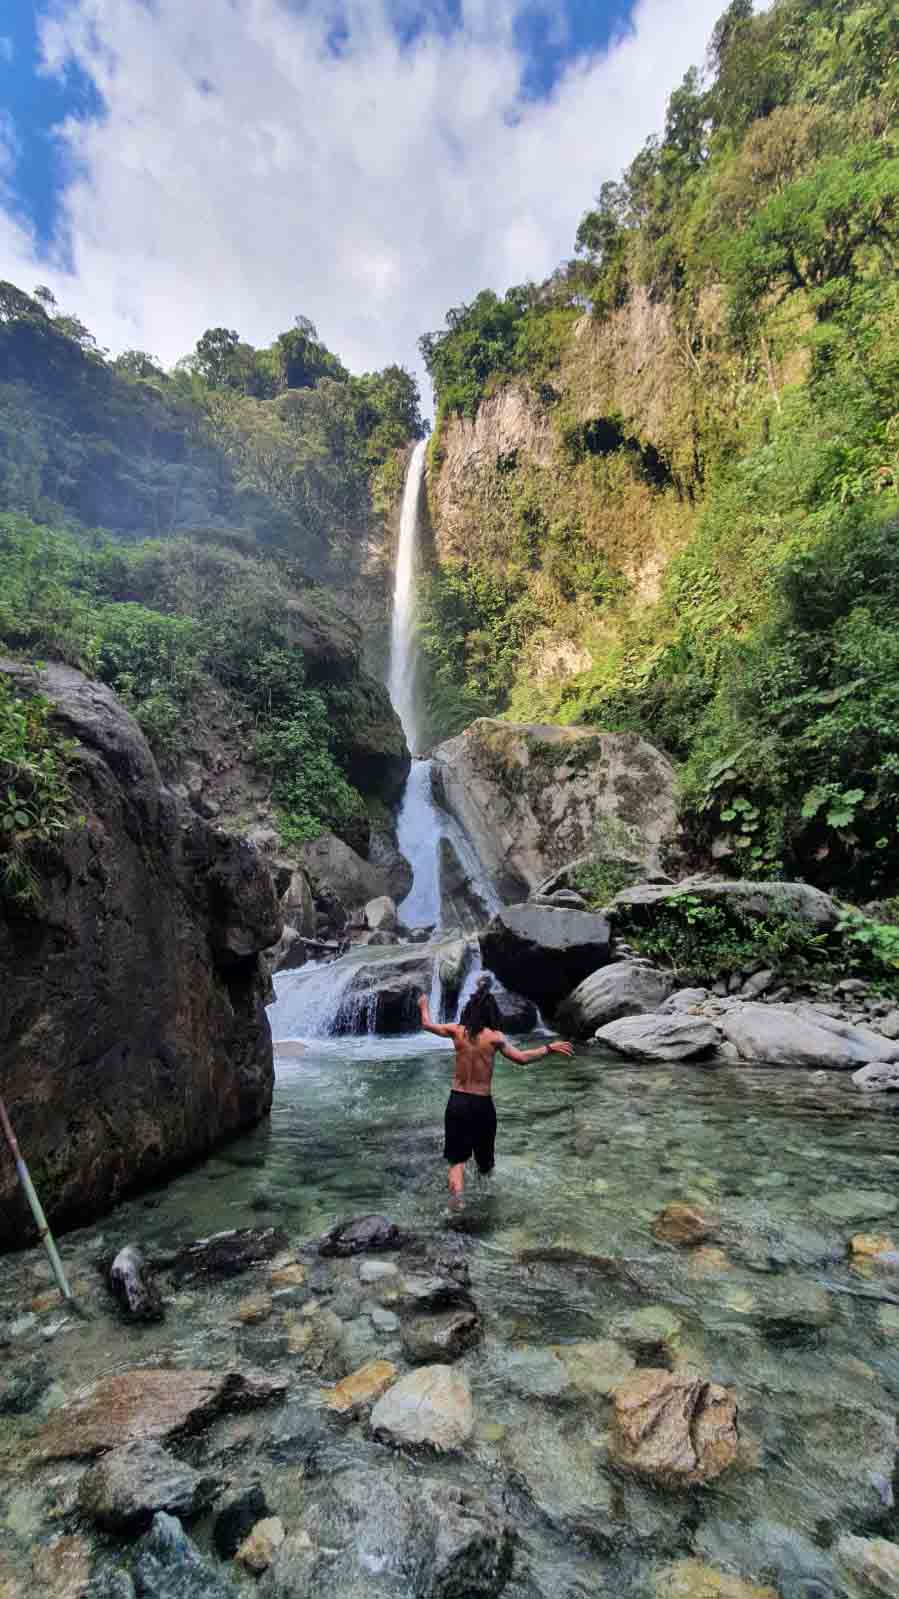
{"x":227,"y":1254}
{"x":560,"y":1467}
{"x":544,"y":953}
{"x":134,"y":1286}
{"x":147,"y":1403}
{"x":169,"y":1566}
{"x":674,"y":1428}
{"x":624,"y":988}
{"x":124,"y":1491}
{"x":874,"y":1560}
{"x":358,"y":1236}
{"x":690,"y":1579}
{"x":684,"y":1224}
{"x":361,"y":1389}
{"x":260,"y":1546}
{"x":430,"y":1406}
{"x":238,"y":1518}
{"x":443,"y":1337}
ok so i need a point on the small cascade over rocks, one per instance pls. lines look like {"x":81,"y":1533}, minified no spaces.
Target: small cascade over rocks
{"x":374,"y":989}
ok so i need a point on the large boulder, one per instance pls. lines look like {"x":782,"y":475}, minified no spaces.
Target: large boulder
{"x":335,"y":869}
{"x":758,"y":901}
{"x":672,"y":1037}
{"x":879,"y":1077}
{"x":461,"y":903}
{"x":777,"y":1035}
{"x":674,"y":1428}
{"x":542,"y":952}
{"x":133,"y":1034}
{"x":624,"y":988}
{"x":532,"y":798}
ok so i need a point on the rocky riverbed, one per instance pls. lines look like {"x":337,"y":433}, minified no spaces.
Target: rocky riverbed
{"x":657,"y":1356}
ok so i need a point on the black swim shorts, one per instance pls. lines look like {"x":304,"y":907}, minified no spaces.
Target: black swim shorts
{"x":470,"y":1125}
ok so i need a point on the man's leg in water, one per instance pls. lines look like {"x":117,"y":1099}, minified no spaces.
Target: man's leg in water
{"x":456,"y":1180}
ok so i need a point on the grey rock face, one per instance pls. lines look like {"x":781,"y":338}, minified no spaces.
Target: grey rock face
{"x":533,"y":798}
{"x":461,"y":905}
{"x":780,"y":1036}
{"x":169,"y":1566}
{"x":672,"y":1037}
{"x":624,"y":988}
{"x":145,"y":952}
{"x":758,"y":900}
{"x":879,"y":1077}
{"x":386,"y":1529}
{"x":127,"y":1487}
{"x":544,"y":953}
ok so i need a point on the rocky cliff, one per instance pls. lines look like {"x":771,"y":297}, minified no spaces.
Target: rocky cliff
{"x":133,"y":1034}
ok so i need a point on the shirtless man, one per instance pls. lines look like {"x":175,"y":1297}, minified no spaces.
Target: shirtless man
{"x":470,"y":1121}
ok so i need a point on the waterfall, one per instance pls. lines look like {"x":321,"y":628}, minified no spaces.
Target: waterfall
{"x":401,"y":682}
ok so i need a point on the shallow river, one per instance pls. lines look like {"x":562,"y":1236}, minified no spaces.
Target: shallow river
{"x":588,"y":1154}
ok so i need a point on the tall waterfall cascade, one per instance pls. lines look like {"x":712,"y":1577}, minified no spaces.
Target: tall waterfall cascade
{"x":321,"y":999}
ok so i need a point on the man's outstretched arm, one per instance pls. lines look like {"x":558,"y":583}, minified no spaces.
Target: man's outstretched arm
{"x":443,"y":1030}
{"x":559,"y":1046}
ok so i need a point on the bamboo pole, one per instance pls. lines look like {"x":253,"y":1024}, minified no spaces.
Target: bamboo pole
{"x":43,"y":1230}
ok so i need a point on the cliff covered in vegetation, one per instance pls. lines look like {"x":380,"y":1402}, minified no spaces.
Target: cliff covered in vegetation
{"x":663,"y":486}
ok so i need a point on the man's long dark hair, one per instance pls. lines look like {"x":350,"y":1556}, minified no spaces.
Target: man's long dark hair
{"x":481,"y":1010}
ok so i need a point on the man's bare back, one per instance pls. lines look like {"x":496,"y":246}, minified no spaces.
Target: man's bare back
{"x":475,"y":1052}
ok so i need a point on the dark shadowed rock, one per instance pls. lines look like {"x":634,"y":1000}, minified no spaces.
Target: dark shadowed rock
{"x":544,"y":953}
{"x":359,"y":1236}
{"x":461,"y":905}
{"x":133,"y":1035}
{"x":238,"y":1518}
{"x":623,"y":988}
{"x":442,"y":1337}
{"x":124,"y":1491}
{"x":227,"y":1254}
{"x":169,"y":1566}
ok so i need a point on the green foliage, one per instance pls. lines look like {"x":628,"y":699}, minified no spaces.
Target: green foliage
{"x":524,"y":333}
{"x":153,"y":662}
{"x":600,"y":880}
{"x":35,"y":797}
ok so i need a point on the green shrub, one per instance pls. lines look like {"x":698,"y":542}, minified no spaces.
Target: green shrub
{"x":35,"y":796}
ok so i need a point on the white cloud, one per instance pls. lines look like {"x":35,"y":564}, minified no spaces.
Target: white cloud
{"x":370,"y":191}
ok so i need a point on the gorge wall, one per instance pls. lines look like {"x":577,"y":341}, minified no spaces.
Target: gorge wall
{"x":134,"y":1035}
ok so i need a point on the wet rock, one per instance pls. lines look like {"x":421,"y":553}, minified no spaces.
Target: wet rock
{"x":856,"y":1204}
{"x":359,"y":1235}
{"x":259,"y":1548}
{"x":789,"y":1305}
{"x":594,"y":1368}
{"x":679,"y":1223}
{"x":380,"y":914}
{"x":435,"y":1293}
{"x":292,"y":1275}
{"x":169,"y":1566}
{"x":777,"y":1035}
{"x":544,"y":953}
{"x":237,"y":1519}
{"x":461,"y":902}
{"x":871,"y":1246}
{"x":302,"y":1435}
{"x":878,"y":1077}
{"x":384,"y":1320}
{"x":516,"y":1013}
{"x":690,"y":1579}
{"x":874,"y":1560}
{"x":134,"y":1286}
{"x":660,"y":1037}
{"x":648,"y":1330}
{"x":377,"y":1271}
{"x":390,"y":1530}
{"x":107,"y":1583}
{"x":560,"y":1469}
{"x":21,"y":1391}
{"x":256,"y":1308}
{"x":770,"y":1552}
{"x":624,"y":988}
{"x":361,"y":1389}
{"x":227,"y":1254}
{"x":534,"y":1371}
{"x":673,"y":1428}
{"x":124,"y":1491}
{"x":844,"y":1453}
{"x":708,"y":1262}
{"x":443,"y":1337}
{"x":147,"y":1403}
{"x":430,"y":1406}
{"x":61,"y":1569}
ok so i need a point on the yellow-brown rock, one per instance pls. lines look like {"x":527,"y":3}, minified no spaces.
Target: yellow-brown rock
{"x":254,"y":1309}
{"x":361,"y":1388}
{"x":684,"y":1224}
{"x":292,"y":1276}
{"x":691,"y":1579}
{"x":867,"y":1248}
{"x":260,"y":1546}
{"x":300,"y":1337}
{"x":708,"y":1262}
{"x":674,"y":1428}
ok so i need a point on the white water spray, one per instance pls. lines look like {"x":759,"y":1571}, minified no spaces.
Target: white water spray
{"x":401,"y":681}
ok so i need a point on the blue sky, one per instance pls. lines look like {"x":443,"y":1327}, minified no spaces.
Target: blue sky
{"x":166,"y":165}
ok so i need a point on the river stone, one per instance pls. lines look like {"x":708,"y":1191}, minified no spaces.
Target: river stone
{"x":781,"y":1555}
{"x":842,"y":1456}
{"x":534,"y":1371}
{"x":126,"y":1488}
{"x":671,"y":1037}
{"x":376,"y":1271}
{"x":361,"y":1388}
{"x":256,"y":1308}
{"x":544,"y":953}
{"x":673,"y":1428}
{"x":260,"y":1546}
{"x":790,"y":1304}
{"x":147,"y":1403}
{"x":856,"y":1204}
{"x":594,"y":1368}
{"x":227,"y":1254}
{"x":387,"y":1530}
{"x":690,"y":1579}
{"x":652,"y":1328}
{"x":169,"y":1566}
{"x":878,"y":1077}
{"x":684,"y":1224}
{"x":359,"y":1235}
{"x":237,"y":1519}
{"x":560,"y":1468}
{"x":134,"y":1286}
{"x":874,"y":1560}
{"x":867,"y":1249}
{"x":443,"y":1337}
{"x":430,"y":1406}
{"x":777,"y":1035}
{"x":625,"y":988}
